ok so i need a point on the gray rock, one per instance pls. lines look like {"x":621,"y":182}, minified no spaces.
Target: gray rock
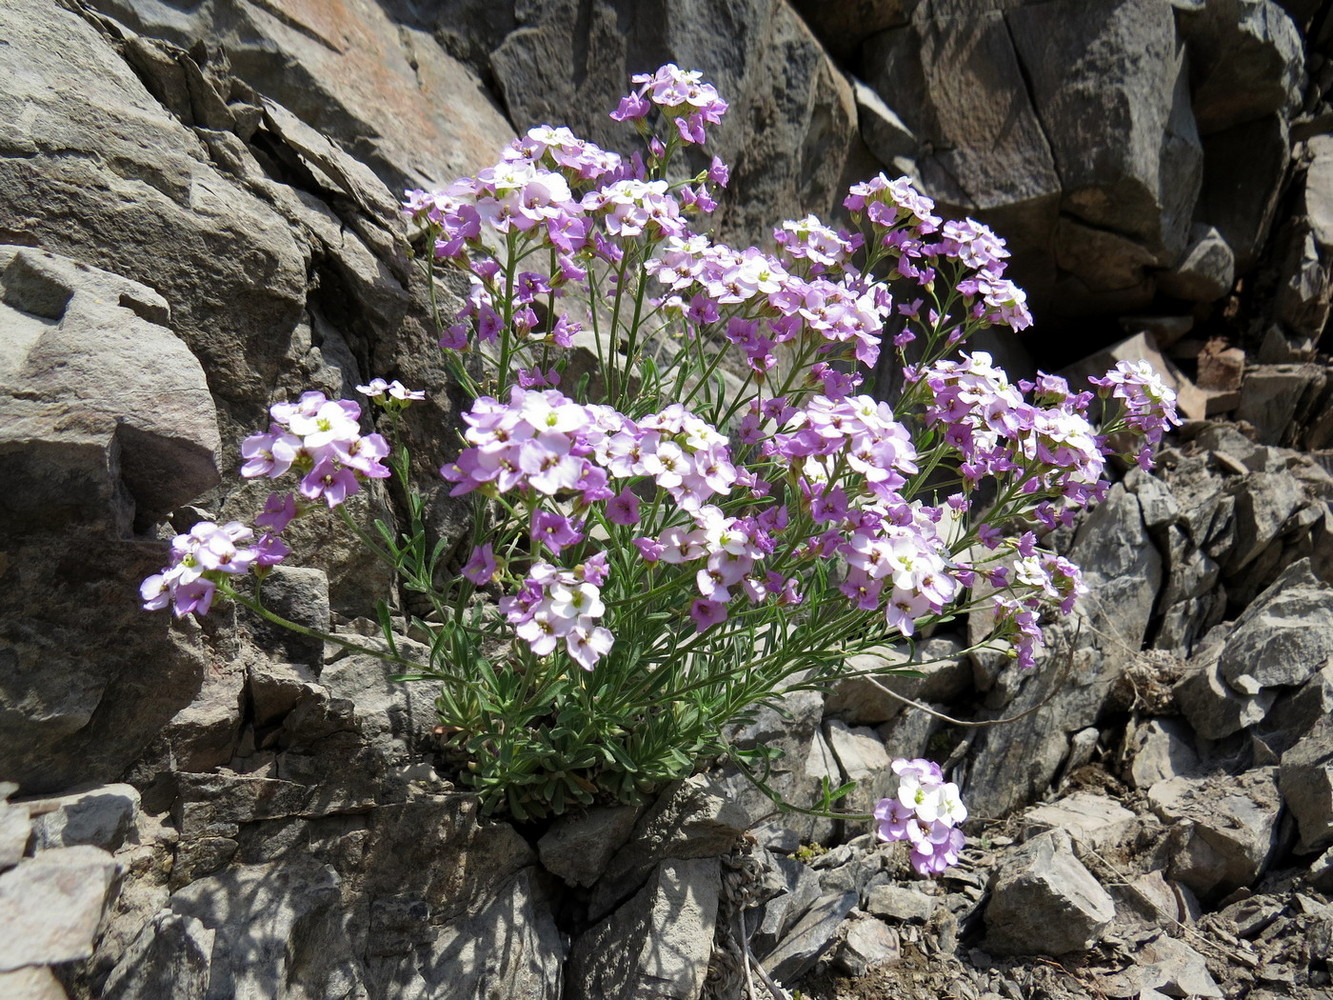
{"x":812,"y":936}
{"x":1162,"y":749}
{"x":1156,"y":502}
{"x":579,"y":847}
{"x":901,"y":903}
{"x":1307,"y":786}
{"x":1087,"y":651}
{"x":1225,"y":828}
{"x":1297,"y":712}
{"x":1207,"y":270}
{"x":958,"y":86}
{"x":101,"y":816}
{"x":1045,"y":902}
{"x":510,"y":947}
{"x":1246,"y":61}
{"x":773,"y":71}
{"x":300,"y":595}
{"x":656,"y":945}
{"x":1264,"y":501}
{"x":51,"y":905}
{"x":779,"y":914}
{"x":863,"y":759}
{"x":866,"y":944}
{"x":1166,"y":966}
{"x":269,"y":921}
{"x":944,"y":676}
{"x":1243,"y":167}
{"x":1213,"y":707}
{"x":694,"y":818}
{"x":842,"y":27}
{"x":885,"y":135}
{"x":1135,"y":171}
{"x":171,"y":957}
{"x":1091,"y":820}
{"x":1283,"y":637}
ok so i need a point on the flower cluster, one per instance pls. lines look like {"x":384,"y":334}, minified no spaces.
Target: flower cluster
{"x":926,"y":813}
{"x":1150,"y":404}
{"x":321,"y":439}
{"x":683,"y":97}
{"x":556,"y":604}
{"x":205,"y":556}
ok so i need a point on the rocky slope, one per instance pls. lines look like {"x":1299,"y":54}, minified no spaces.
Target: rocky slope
{"x":198,"y":216}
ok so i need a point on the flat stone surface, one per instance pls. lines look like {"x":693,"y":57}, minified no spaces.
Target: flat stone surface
{"x":578,"y":847}
{"x":812,"y":935}
{"x":900,"y":902}
{"x":101,"y":816}
{"x":1093,"y":820}
{"x":1285,"y":636}
{"x":51,"y":905}
{"x":1307,"y":786}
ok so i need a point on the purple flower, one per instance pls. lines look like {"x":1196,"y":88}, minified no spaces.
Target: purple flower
{"x":329,"y":482}
{"x":706,"y":613}
{"x":554,"y":531}
{"x":480,"y":569}
{"x":623,"y":508}
{"x":279,"y":511}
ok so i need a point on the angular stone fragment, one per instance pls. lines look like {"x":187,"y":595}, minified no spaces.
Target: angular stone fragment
{"x":1091,"y":820}
{"x":1045,"y":902}
{"x":657,"y":945}
{"x":101,"y":816}
{"x":1162,"y":749}
{"x":810,"y":938}
{"x":578,"y":847}
{"x":1285,"y":636}
{"x":51,"y":905}
{"x":901,"y":903}
{"x":1205,"y":273}
{"x":15,"y":828}
{"x":1226,"y":828}
{"x":1243,"y":167}
{"x":863,"y":759}
{"x":944,"y":676}
{"x":1214,"y":708}
{"x":1307,"y":786}
{"x":1221,"y":368}
{"x":866,"y":944}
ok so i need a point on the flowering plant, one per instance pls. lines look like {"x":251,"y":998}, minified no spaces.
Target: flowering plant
{"x":686,"y":500}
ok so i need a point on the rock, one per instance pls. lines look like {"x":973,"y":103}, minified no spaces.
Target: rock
{"x":900,"y":903}
{"x":1157,"y":504}
{"x":1221,"y":368}
{"x":114,"y":399}
{"x":944,"y":676}
{"x":1169,"y":967}
{"x":842,"y":27}
{"x":797,"y":774}
{"x":300,"y":595}
{"x":393,"y":716}
{"x":1296,"y":713}
{"x":658,"y":944}
{"x":1246,"y":61}
{"x":863,"y":759}
{"x":774,"y":72}
{"x":1162,"y":749}
{"x":1304,"y":295}
{"x":866,"y":944}
{"x":1264,"y":501}
{"x":579,"y":847}
{"x":1307,"y":786}
{"x":51,"y":905}
{"x":1213,"y":707}
{"x":386,"y":90}
{"x":1045,"y":902}
{"x":810,"y":938}
{"x":1243,"y":167}
{"x":1205,"y":273}
{"x":957,"y":85}
{"x":172,"y":956}
{"x":102,"y":817}
{"x":1092,"y":821}
{"x":289,"y":920}
{"x":800,"y":891}
{"x":510,"y":947}
{"x":32,"y":983}
{"x":1087,"y":652}
{"x":1087,"y":66}
{"x":884,"y":133}
{"x":1226,"y":828}
{"x":694,"y":818}
{"x":1285,"y":636}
